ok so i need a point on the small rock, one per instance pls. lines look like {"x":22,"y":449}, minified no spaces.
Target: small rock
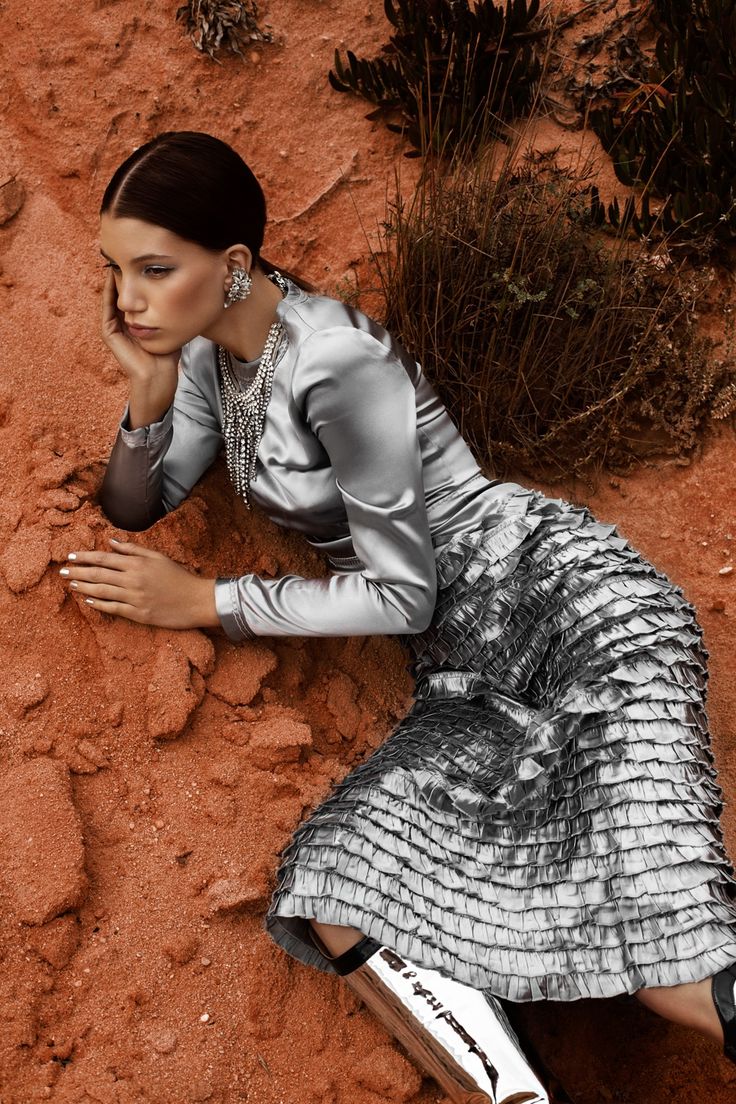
{"x":114,"y":713}
{"x":25,"y":557}
{"x":278,"y":740}
{"x":199,"y":1091}
{"x":224,"y":772}
{"x":388,"y":1074}
{"x":53,"y":471}
{"x":181,"y":948}
{"x":42,"y":745}
{"x":56,"y":941}
{"x":174,"y":692}
{"x":26,"y":692}
{"x":164,"y":1042}
{"x":236,"y":894}
{"x":12,"y":197}
{"x":725,"y":570}
{"x":240,"y":672}
{"x":199,"y":650}
{"x":56,"y":518}
{"x":92,"y":753}
{"x":341,"y":697}
{"x":6,"y":404}
{"x":41,"y":844}
{"x":59,"y":499}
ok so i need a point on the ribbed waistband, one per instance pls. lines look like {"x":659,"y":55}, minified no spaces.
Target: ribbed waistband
{"x":344,"y":563}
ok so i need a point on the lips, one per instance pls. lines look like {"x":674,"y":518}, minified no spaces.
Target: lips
{"x":141,"y":331}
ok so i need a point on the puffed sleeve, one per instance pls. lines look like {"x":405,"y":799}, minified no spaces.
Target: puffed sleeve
{"x":359,"y":400}
{"x":153,"y":468}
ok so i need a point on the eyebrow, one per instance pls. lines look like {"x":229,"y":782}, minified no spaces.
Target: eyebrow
{"x":143,"y":257}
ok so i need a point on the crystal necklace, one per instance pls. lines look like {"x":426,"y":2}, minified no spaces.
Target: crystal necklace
{"x":244,"y":412}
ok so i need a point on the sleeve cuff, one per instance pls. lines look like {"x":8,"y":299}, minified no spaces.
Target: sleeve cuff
{"x":229,"y":611}
{"x":145,"y":435}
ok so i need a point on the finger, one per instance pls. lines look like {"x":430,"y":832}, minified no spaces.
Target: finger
{"x":117,"y":609}
{"x":113,"y":561}
{"x":131,"y":548}
{"x":102,"y":587}
{"x":122,"y":549}
{"x":110,"y":312}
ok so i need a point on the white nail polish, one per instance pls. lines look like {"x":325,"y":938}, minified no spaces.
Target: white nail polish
{"x":74,"y":584}
{"x":72,"y":556}
{"x":89,"y":601}
{"x":64,"y":571}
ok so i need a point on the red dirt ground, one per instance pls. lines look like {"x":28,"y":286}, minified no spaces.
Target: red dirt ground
{"x":151,"y":777}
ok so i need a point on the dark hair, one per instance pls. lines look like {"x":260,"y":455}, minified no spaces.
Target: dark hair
{"x":197,"y":187}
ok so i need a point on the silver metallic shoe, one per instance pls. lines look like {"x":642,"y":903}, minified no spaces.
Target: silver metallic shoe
{"x":456,"y":1033}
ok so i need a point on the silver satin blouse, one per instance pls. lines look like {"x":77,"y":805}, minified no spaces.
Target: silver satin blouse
{"x":358,"y":453}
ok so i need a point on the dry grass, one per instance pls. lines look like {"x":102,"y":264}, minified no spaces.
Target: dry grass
{"x":558,"y":349}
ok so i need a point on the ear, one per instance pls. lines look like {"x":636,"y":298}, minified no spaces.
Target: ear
{"x":239,"y":256}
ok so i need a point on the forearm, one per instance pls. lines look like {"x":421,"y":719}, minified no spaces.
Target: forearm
{"x":131,"y":492}
{"x":342,"y":605}
{"x":149,"y":399}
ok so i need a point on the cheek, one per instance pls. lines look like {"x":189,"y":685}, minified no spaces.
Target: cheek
{"x":194,"y":299}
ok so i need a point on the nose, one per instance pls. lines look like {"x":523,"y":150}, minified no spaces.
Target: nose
{"x":130,"y":300}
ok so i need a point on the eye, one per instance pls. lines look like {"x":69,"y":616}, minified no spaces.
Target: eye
{"x":114,"y":267}
{"x":156,"y":270}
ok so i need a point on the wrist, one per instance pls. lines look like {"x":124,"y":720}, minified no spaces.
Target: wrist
{"x":148,"y":402}
{"x":205,"y":610}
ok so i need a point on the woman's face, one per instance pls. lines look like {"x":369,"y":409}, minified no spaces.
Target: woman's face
{"x":171,"y":287}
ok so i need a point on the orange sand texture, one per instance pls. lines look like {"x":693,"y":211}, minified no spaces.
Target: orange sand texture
{"x":150,"y":778}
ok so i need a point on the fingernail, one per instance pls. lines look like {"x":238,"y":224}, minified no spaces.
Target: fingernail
{"x":72,"y":556}
{"x":64,"y":571}
{"x":113,"y":541}
{"x":74,"y":584}
{"x":89,"y":601}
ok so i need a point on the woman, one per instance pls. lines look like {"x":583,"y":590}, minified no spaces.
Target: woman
{"x":544,"y":822}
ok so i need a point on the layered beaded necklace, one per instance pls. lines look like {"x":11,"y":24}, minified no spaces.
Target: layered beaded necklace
{"x":244,"y":412}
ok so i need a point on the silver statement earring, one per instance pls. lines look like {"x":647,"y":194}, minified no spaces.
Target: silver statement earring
{"x":239,"y":288}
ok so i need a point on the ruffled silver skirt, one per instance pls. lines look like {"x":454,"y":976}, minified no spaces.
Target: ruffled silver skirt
{"x":544,"y":823}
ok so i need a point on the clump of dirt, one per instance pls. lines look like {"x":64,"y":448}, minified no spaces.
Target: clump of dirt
{"x":152,"y":777}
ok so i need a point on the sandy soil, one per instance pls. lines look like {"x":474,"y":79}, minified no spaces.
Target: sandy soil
{"x":151,"y":777}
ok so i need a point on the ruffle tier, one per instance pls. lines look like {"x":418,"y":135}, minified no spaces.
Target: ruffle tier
{"x":545,"y":821}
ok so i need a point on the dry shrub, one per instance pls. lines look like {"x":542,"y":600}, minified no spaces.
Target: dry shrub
{"x":215,"y":25}
{"x":557,"y":349}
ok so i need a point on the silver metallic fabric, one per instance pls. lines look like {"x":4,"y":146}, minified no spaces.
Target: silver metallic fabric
{"x":357,"y":453}
{"x":544,"y":823}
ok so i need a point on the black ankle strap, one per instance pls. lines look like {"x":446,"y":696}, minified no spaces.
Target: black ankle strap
{"x":722,"y":987}
{"x":354,"y":957}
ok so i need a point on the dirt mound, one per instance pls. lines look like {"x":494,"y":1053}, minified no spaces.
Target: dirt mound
{"x":150,"y":777}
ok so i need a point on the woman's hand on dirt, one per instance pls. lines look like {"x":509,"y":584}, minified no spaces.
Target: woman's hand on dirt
{"x":153,"y":378}
{"x":143,"y":586}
